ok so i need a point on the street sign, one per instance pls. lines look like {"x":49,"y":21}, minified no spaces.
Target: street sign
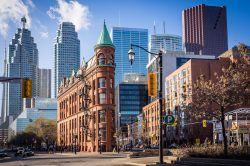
{"x":169,"y":119}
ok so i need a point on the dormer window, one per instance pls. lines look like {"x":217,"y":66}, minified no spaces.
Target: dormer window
{"x":101,"y":59}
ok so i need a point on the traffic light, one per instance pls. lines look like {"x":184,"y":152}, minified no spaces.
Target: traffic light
{"x":152,"y":88}
{"x":26,"y":88}
{"x":143,"y":124}
{"x":204,"y":123}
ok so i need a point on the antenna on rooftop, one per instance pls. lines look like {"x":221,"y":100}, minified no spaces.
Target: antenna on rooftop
{"x":23,"y":20}
{"x":154,"y":28}
{"x":163,"y":24}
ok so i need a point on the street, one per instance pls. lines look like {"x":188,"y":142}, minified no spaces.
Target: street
{"x":89,"y":159}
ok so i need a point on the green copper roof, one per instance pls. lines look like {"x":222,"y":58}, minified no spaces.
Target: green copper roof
{"x":104,"y":39}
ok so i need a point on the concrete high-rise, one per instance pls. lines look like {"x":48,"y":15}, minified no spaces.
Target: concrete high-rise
{"x":44,"y":83}
{"x":205,"y":29}
{"x":22,"y":61}
{"x":168,"y":42}
{"x":122,"y":38}
{"x":66,"y":53}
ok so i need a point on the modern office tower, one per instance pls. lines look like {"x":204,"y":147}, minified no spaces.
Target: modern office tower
{"x":166,"y":42}
{"x":131,"y":96}
{"x":122,"y":38}
{"x":41,"y":108}
{"x":66,"y":53}
{"x":3,"y":108}
{"x":44,"y":83}
{"x":205,"y":29}
{"x":22,"y":61}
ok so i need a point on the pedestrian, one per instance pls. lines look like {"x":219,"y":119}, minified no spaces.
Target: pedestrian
{"x":114,"y":151}
{"x":206,"y":142}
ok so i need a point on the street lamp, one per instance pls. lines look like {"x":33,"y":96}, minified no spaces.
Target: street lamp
{"x":61,"y":141}
{"x":75,"y":137}
{"x":117,"y":136}
{"x":131,"y":133}
{"x":100,"y":138}
{"x":158,"y":56}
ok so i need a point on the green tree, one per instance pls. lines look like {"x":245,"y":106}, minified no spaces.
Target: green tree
{"x":44,"y":128}
{"x":25,"y":139}
{"x":231,"y":89}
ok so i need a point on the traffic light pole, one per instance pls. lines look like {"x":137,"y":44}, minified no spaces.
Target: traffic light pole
{"x":161,"y":112}
{"x":26,"y":84}
{"x":159,"y":58}
{"x":10,"y":79}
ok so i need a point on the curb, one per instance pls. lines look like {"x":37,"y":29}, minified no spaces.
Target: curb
{"x":135,"y":164}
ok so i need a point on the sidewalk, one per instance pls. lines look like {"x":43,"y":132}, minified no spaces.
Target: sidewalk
{"x":123,"y":157}
{"x":124,"y":154}
{"x":151,"y":160}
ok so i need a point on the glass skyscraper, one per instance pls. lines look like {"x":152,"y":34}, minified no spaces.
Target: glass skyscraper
{"x":22,"y":61}
{"x":131,"y":95}
{"x":44,"y":82}
{"x":166,"y":41}
{"x":66,"y":53}
{"x":122,"y":38}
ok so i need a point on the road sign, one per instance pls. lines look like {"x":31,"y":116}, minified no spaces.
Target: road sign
{"x":169,"y":119}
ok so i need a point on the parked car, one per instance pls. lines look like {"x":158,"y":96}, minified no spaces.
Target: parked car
{"x":154,"y":146}
{"x":28,"y":152}
{"x":19,"y":151}
{"x":3,"y":153}
{"x":173,"y":146}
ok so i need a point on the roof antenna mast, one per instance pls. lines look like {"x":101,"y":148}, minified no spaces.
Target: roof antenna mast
{"x":163,"y":27}
{"x":154,"y":28}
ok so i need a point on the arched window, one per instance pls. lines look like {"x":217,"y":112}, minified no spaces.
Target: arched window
{"x":101,"y":59}
{"x":111,"y":59}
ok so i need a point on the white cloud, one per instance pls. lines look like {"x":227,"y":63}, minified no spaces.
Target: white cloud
{"x":71,"y":11}
{"x":31,"y":4}
{"x":12,"y":10}
{"x":41,"y":29}
{"x":44,"y":34}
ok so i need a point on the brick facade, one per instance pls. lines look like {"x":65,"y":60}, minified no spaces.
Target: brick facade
{"x":180,"y":83}
{"x":86,"y":107}
{"x":151,"y":114}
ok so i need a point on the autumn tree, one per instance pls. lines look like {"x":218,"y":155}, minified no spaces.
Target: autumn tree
{"x":231,"y":89}
{"x":44,"y":128}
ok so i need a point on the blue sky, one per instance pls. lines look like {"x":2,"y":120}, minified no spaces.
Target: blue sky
{"x":127,"y":13}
